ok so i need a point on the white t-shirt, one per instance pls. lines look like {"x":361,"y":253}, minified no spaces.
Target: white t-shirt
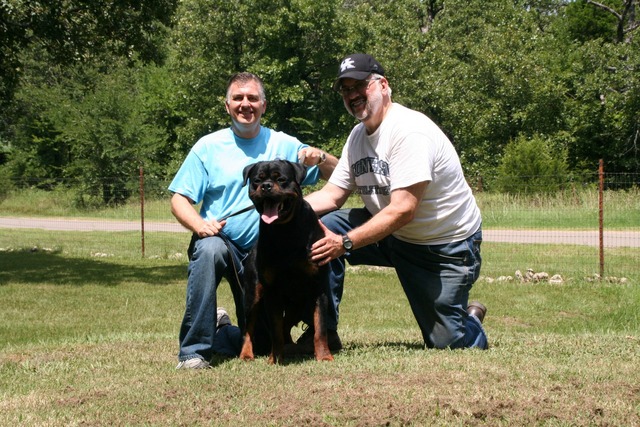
{"x":408,"y":148}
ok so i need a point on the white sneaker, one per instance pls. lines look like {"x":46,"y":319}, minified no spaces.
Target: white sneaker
{"x":194,"y":363}
{"x":223,"y":318}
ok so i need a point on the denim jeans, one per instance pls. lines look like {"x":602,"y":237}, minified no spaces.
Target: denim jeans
{"x":212,"y":259}
{"x":435,"y":278}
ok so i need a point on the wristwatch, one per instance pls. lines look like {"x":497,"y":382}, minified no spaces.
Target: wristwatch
{"x":347,"y":244}
{"x":323,"y":158}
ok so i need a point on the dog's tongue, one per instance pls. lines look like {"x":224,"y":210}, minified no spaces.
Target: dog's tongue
{"x":269,"y":212}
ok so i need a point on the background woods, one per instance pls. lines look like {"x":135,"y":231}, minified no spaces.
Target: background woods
{"x":95,"y":89}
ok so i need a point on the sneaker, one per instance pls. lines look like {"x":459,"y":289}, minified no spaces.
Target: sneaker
{"x":304,"y":345}
{"x":193,"y":363}
{"x":223,"y":318}
{"x":477,"y":309}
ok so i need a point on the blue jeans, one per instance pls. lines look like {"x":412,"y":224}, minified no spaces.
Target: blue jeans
{"x":212,"y":259}
{"x":435,"y":278}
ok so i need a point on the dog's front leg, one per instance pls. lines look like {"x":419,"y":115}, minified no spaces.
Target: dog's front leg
{"x":277,"y":348}
{"x":276,"y":313}
{"x":247,"y":346}
{"x":320,"y":339}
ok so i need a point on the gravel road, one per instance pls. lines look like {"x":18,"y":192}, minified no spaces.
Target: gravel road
{"x":575,"y":237}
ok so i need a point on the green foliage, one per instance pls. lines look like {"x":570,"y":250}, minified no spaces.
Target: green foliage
{"x":5,"y":184}
{"x":485,"y":80}
{"x":584,"y":22}
{"x":92,"y":127}
{"x":530,"y":166}
{"x":78,"y":30}
{"x":604,"y":106}
{"x":88,"y":102}
{"x":291,"y":45}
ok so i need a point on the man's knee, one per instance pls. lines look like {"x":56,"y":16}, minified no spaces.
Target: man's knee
{"x":332,"y":220}
{"x":211,"y":249}
{"x":344,"y":220}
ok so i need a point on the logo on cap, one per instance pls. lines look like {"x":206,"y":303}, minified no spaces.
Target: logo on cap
{"x":346,"y":64}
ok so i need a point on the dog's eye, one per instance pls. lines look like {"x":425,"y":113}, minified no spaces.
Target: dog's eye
{"x":282,"y":179}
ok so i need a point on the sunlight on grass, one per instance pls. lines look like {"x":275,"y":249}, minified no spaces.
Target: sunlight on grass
{"x":572,"y":209}
{"x":89,"y":327}
{"x":104,"y":353}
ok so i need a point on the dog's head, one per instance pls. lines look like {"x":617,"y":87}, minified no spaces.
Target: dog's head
{"x":274,"y":188}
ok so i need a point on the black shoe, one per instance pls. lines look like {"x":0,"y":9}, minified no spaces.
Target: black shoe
{"x":477,"y":309}
{"x":304,"y":345}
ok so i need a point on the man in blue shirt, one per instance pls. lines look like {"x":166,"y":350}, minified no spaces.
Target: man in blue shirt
{"x":211,"y":175}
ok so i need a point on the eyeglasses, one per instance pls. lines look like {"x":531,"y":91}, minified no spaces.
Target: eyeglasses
{"x":361,"y":86}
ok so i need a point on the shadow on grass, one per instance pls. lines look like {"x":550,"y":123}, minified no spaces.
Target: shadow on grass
{"x":353,"y":348}
{"x":217,"y":360}
{"x":51,"y":268}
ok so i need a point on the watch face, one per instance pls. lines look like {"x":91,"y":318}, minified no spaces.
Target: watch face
{"x":347,"y":243}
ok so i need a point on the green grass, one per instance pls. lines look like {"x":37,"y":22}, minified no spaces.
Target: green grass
{"x":39,"y":203}
{"x":90,"y":340}
{"x":88,"y":334}
{"x":578,"y":209}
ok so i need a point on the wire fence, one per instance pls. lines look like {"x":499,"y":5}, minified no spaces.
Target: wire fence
{"x":589,"y":229}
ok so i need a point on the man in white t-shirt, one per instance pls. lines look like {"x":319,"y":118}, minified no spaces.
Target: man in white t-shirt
{"x":420,"y":216}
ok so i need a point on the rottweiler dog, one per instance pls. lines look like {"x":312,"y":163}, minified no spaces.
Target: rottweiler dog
{"x":280,"y":281}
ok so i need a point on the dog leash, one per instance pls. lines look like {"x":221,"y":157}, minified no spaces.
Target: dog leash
{"x":196,"y":237}
{"x":243,"y":210}
{"x":236,"y":284}
{"x":237,"y":288}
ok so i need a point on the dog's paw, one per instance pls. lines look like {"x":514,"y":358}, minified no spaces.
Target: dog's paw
{"x":247,"y":356}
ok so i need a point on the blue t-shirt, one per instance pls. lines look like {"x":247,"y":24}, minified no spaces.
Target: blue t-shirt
{"x":212,"y":174}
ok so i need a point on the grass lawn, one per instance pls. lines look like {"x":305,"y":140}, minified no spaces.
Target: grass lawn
{"x":93,"y":341}
{"x":88,"y":335}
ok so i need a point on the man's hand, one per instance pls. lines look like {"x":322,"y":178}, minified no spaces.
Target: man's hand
{"x":328,"y":248}
{"x":211,"y":228}
{"x":183,"y":209}
{"x":311,"y":156}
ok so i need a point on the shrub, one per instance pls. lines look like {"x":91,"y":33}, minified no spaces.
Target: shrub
{"x":529,"y":165}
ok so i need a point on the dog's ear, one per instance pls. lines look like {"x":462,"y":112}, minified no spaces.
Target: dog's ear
{"x":300,"y":171}
{"x":246,"y":172}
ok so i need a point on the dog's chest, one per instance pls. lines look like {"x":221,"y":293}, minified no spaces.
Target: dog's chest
{"x":285,"y":269}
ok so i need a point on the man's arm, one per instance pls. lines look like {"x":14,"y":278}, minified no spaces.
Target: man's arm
{"x":182,"y":208}
{"x":402,"y":209}
{"x":327,"y":199}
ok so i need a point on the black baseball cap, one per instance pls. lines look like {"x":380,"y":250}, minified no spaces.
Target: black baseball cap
{"x":357,"y":66}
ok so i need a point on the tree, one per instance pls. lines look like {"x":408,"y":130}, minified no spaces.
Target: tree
{"x":290,"y":44}
{"x":583,"y":22}
{"x":625,"y":18}
{"x":94,"y":134}
{"x":603,"y":88}
{"x":69,"y":33}
{"x":484,"y":78}
{"x":604,"y":107}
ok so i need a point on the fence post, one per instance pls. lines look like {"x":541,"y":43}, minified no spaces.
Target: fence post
{"x":142,"y":208}
{"x":601,"y":216}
